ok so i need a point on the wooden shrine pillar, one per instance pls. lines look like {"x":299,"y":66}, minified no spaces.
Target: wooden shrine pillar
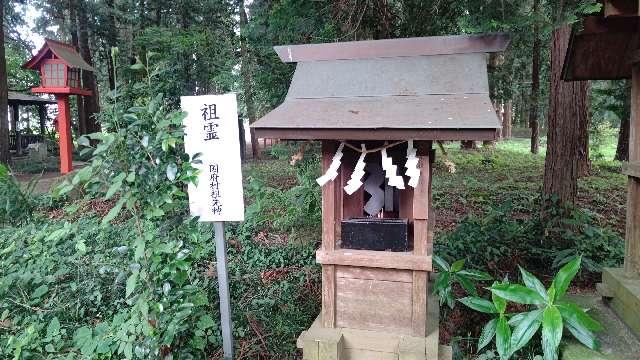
{"x":622,"y":286}
{"x":64,"y":131}
{"x":632,"y":169}
{"x":15,"y":118}
{"x":42,"y":117}
{"x":331,"y":208}
{"x":422,"y":245}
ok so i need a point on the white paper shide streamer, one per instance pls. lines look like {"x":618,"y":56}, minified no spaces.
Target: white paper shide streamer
{"x":355,"y":182}
{"x":390,"y":171}
{"x":332,"y":172}
{"x":373,"y":186}
{"x":412,"y":165}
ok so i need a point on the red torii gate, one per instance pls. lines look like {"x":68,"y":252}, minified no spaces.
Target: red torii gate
{"x":60,"y":68}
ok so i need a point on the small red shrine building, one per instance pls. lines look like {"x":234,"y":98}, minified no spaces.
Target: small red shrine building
{"x":60,"y":67}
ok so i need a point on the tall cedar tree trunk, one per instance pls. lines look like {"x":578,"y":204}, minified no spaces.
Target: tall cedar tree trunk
{"x":535,"y":82}
{"x":4,"y":94}
{"x":247,"y":79}
{"x":112,"y":41}
{"x":73,"y":30}
{"x":622,"y":150}
{"x":91,"y":103}
{"x":507,"y":119}
{"x":568,"y":114}
{"x":185,"y":23}
{"x":584,"y":164}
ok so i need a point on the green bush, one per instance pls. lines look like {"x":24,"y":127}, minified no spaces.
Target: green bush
{"x":547,"y":309}
{"x":17,"y":202}
{"x":126,"y":273}
{"x":499,"y":242}
{"x":66,"y":291}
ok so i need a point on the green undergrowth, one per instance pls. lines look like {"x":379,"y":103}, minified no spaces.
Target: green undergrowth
{"x":63,"y":285}
{"x":64,"y":275}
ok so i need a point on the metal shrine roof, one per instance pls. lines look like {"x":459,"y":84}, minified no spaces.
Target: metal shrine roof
{"x":431,"y":88}
{"x":63,"y":51}
{"x":16,"y":98}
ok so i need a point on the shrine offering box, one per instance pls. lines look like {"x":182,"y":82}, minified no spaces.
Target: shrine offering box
{"x":376,"y":234}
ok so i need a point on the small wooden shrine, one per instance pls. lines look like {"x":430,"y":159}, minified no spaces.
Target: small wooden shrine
{"x":60,"y":67}
{"x":377,"y":107}
{"x":607,"y":47}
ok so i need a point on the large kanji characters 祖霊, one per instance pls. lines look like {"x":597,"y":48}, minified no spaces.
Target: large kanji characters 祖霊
{"x":377,"y":107}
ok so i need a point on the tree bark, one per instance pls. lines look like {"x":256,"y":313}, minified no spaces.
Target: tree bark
{"x":507,"y":120}
{"x":91,"y":103}
{"x":584,"y":164}
{"x":247,"y":80}
{"x":112,"y":41}
{"x":622,"y":150}
{"x":535,"y":82}
{"x":73,"y":30}
{"x":568,"y":114}
{"x":4,"y":94}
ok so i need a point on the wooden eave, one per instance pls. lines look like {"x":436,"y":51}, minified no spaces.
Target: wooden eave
{"x":602,"y":50}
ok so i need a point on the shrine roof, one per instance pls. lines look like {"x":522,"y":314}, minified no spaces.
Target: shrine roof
{"x":16,"y":98}
{"x":63,"y":51}
{"x":430,"y":88}
{"x":602,"y":48}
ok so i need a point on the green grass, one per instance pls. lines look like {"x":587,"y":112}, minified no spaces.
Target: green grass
{"x":510,"y":173}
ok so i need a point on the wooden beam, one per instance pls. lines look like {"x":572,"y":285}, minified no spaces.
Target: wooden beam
{"x":42,"y":116}
{"x":631,"y":169}
{"x":374,"y":259}
{"x":15,"y":119}
{"x":378,"y":134}
{"x":331,"y":211}
{"x":421,"y":210}
{"x":634,"y":57}
{"x":632,"y":238}
{"x":621,"y":8}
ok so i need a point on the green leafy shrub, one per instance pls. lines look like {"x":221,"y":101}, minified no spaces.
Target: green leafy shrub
{"x":291,"y":207}
{"x":550,"y":310}
{"x":17,"y":202}
{"x":486,"y":241}
{"x":448,"y":275}
{"x":136,"y":280}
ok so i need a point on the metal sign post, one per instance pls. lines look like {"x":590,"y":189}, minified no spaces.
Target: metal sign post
{"x":223,"y":289}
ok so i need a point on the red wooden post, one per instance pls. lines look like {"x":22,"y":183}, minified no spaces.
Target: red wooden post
{"x":64,"y":130}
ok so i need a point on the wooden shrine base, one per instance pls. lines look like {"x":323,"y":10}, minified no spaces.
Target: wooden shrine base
{"x":625,"y":296}
{"x":320,"y":343}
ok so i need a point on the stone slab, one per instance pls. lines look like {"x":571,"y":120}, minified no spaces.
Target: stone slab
{"x":617,"y":341}
{"x":625,"y":294}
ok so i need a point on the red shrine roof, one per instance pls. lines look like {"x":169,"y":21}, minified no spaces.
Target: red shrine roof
{"x":62,"y":51}
{"x":429,"y":88}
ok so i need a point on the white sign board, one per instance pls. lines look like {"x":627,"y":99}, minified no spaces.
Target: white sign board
{"x":211,"y":129}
